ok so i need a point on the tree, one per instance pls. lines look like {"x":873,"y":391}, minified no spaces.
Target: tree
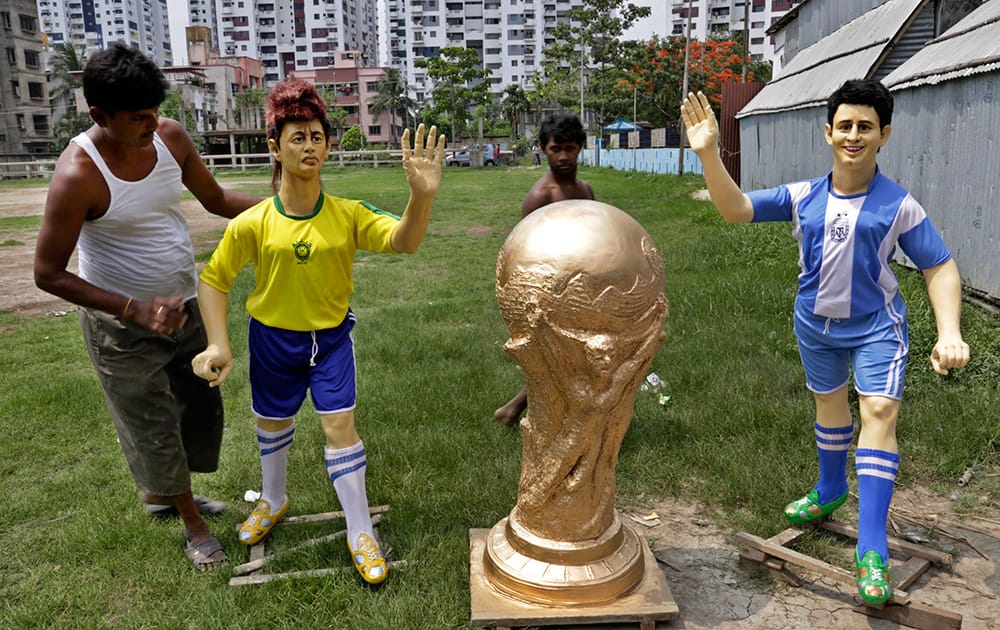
{"x":592,"y":36}
{"x":460,"y":83}
{"x":249,"y":104}
{"x":69,"y":125}
{"x":515,"y":105}
{"x":172,"y":108}
{"x":353,"y":139}
{"x":656,"y":74}
{"x":338,"y":118}
{"x":67,"y":63}
{"x":391,"y":97}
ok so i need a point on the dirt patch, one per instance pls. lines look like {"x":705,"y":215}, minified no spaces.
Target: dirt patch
{"x":20,"y":295}
{"x":701,"y":564}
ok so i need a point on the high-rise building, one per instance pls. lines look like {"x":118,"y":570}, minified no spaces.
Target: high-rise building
{"x":713,"y":16}
{"x":290,"y":35}
{"x":25,"y":121}
{"x":508,"y":35}
{"x":92,"y":25}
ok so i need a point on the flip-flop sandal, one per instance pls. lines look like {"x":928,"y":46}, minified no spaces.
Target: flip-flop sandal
{"x":368,"y":559}
{"x":260,"y":522}
{"x":808,"y":509}
{"x":873,"y":579}
{"x":206,"y":506}
{"x":201,"y":554}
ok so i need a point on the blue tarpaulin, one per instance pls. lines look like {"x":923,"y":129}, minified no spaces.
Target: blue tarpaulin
{"x":622,"y":125}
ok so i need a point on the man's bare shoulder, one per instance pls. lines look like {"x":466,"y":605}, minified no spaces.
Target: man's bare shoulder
{"x":75,"y":173}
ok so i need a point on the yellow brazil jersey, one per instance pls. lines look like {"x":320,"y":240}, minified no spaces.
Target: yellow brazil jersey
{"x":302,"y":265}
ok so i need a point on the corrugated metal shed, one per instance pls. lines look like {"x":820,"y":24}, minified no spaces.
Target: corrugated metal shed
{"x":970,"y":47}
{"x":950,"y":92}
{"x":853,"y":51}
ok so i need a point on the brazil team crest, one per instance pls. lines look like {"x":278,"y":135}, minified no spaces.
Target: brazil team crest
{"x":302,"y":250}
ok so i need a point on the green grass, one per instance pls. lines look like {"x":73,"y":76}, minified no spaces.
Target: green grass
{"x":737,"y":438}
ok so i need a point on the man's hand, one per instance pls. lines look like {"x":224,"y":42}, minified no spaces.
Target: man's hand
{"x":699,"y":120}
{"x":213,"y":364}
{"x":422,"y":162}
{"x":949,"y":353}
{"x":164,"y":315}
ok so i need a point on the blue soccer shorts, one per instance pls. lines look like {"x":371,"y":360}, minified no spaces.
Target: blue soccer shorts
{"x":284,"y":363}
{"x":874,"y":346}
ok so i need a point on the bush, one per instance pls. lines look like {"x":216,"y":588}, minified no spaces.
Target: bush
{"x":353,"y":139}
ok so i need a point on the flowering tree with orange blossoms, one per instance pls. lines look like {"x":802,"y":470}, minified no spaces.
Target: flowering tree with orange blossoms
{"x":656,"y":74}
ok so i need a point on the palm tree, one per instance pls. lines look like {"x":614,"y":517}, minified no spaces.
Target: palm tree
{"x":391,"y":97}
{"x":515,"y":103}
{"x":67,"y":64}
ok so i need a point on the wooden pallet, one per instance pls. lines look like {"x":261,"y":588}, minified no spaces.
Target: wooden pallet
{"x":771,"y":555}
{"x":250,"y":572}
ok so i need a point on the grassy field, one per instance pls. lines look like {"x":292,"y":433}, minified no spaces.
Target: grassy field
{"x":78,"y":550}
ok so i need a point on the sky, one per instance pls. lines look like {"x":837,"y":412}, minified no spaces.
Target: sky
{"x":656,"y":23}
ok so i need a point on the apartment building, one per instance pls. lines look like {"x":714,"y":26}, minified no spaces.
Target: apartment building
{"x":711,"y":16}
{"x":290,"y":35}
{"x":349,"y":84}
{"x":92,"y":25}
{"x":509,"y":36}
{"x":25,"y":121}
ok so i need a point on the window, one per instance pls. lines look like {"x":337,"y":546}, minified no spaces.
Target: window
{"x":36,"y":91}
{"x":5,"y":19}
{"x":41,"y":123}
{"x":372,"y":86}
{"x":11,"y":56}
{"x":31,"y":58}
{"x":15,"y":88}
{"x":374,"y":130}
{"x":28,"y":23}
{"x":20,"y":122}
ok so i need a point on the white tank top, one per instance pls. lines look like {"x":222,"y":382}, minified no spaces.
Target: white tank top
{"x":141,"y":247}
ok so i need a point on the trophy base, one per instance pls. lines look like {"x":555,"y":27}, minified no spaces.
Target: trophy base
{"x":650,"y":601}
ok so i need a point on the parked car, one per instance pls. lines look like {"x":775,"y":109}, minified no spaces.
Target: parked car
{"x":463,"y":157}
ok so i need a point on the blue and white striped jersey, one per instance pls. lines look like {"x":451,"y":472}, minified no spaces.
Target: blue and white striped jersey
{"x":846,"y":243}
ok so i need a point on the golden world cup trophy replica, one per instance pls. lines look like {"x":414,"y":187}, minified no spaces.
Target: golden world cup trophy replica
{"x":580,"y":288}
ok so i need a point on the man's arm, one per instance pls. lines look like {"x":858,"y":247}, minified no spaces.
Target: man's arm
{"x":422,"y":164}
{"x":196,"y":176}
{"x":703,"y":136}
{"x":944,"y":287}
{"x":77,"y":188}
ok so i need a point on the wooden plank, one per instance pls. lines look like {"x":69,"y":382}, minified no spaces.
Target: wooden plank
{"x":326,"y":516}
{"x":908,"y":573}
{"x":895,"y":544}
{"x":768,"y":565}
{"x":258,"y":563}
{"x":263,"y":578}
{"x":835,"y":573}
{"x":915,"y":615}
{"x":788,"y":536}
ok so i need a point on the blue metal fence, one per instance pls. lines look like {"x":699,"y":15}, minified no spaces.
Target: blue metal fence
{"x":643,"y":160}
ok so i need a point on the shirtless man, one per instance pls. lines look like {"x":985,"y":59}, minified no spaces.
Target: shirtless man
{"x":562,"y":138}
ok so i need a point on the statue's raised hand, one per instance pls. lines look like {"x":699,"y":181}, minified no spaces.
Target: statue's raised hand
{"x":699,"y":120}
{"x":422,"y":161}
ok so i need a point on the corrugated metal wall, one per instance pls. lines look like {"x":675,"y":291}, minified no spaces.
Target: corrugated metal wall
{"x":734,"y":97}
{"x":817,"y":19}
{"x":783,"y":147}
{"x":945,"y":149}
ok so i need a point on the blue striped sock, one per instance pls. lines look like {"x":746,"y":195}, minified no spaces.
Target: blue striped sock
{"x":876,"y":480}
{"x":274,"y":447}
{"x":832,"y":444}
{"x":346,"y":467}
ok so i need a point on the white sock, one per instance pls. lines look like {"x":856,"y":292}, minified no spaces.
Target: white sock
{"x":346,"y":467}
{"x":274,"y":447}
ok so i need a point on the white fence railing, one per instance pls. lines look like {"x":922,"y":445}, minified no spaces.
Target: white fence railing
{"x":44,"y":168}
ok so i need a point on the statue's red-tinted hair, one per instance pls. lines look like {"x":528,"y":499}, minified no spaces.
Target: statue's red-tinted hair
{"x":293,"y":100}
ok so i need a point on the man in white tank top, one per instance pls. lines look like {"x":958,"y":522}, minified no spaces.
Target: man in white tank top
{"x":116,"y":195}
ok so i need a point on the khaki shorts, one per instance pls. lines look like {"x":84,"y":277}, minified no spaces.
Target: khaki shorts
{"x":169,"y":421}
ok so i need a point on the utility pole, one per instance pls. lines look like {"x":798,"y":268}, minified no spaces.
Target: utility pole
{"x":746,"y":38}
{"x":684,"y":90}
